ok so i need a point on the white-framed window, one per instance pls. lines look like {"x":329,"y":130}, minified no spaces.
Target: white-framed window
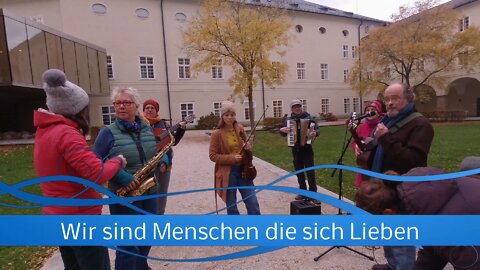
{"x":325,"y":105}
{"x":346,"y":106}
{"x":142,"y":13}
{"x":356,"y":104}
{"x":463,"y":58}
{"x":345,"y":51}
{"x":180,"y":17}
{"x":37,"y":19}
{"x":464,"y":24}
{"x":420,"y":65}
{"x":354,"y":51}
{"x":245,"y":109}
{"x":345,"y":75}
{"x":147,"y":70}
{"x":323,"y":71}
{"x":275,"y":65}
{"x":277,"y":106}
{"x":388,"y":73}
{"x":109,"y":66}
{"x":304,"y":104}
{"x":217,"y":106}
{"x":108,"y":114}
{"x":99,"y":9}
{"x":299,"y":28}
{"x":186,"y":108}
{"x":369,"y":75}
{"x":217,"y":69}
{"x":184,"y":68}
{"x":301,"y":71}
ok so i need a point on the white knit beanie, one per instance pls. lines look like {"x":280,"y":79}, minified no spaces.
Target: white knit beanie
{"x":227,"y":106}
{"x":63,"y":97}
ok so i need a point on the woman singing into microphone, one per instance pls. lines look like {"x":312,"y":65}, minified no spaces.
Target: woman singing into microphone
{"x":366,"y":129}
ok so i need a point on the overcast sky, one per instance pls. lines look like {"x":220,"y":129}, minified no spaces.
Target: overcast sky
{"x":378,"y":9}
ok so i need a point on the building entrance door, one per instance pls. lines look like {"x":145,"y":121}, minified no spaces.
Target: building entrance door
{"x":478,"y":106}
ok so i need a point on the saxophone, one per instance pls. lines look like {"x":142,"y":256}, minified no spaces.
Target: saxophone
{"x":143,"y":174}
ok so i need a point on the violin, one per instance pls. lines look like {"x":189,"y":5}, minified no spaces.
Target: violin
{"x":249,"y":171}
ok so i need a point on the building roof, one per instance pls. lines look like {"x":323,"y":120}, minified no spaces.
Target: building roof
{"x":459,"y":3}
{"x":305,"y":6}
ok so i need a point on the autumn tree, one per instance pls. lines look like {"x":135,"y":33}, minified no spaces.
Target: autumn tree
{"x":420,"y":47}
{"x":244,"y":37}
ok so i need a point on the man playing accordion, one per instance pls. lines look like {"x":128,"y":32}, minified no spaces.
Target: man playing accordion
{"x":300,"y":128}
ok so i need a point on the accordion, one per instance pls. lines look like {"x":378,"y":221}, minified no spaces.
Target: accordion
{"x":299,"y":130}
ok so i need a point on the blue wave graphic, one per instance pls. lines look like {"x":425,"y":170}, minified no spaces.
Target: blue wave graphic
{"x":42,"y":201}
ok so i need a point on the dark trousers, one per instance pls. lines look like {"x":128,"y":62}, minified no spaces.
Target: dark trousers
{"x":124,"y":261}
{"x":303,"y":158}
{"x":163,"y":181}
{"x":85,"y":258}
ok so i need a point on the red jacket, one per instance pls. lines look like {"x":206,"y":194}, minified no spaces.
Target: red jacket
{"x":61,"y":149}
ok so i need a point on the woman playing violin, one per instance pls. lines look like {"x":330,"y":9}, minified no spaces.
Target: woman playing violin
{"x":226,"y":147}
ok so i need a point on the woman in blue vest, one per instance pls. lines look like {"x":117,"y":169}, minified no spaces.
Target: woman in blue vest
{"x":131,"y":136}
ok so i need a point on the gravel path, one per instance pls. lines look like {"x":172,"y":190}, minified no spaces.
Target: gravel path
{"x":194,"y":170}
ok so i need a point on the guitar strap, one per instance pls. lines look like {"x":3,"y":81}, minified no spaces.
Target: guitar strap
{"x":403,"y":122}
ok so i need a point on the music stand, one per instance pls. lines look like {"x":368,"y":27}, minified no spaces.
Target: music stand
{"x":340,"y":196}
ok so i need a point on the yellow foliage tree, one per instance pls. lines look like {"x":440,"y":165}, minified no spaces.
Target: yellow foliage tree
{"x":421,"y":45}
{"x":243,"y":36}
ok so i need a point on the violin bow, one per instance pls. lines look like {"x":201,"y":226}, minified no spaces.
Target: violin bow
{"x":254,"y":128}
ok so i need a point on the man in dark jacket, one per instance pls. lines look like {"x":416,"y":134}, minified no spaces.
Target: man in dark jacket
{"x":302,"y":150}
{"x":404,"y":139}
{"x":448,"y":197}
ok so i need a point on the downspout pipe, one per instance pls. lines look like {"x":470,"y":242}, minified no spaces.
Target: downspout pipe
{"x":166,"y":63}
{"x":360,"y":62}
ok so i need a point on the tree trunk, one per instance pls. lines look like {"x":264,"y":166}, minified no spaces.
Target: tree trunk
{"x":250,"y":106}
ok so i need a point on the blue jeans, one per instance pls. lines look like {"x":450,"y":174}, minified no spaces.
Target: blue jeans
{"x":124,"y":261}
{"x":248,"y":195}
{"x":401,"y":257}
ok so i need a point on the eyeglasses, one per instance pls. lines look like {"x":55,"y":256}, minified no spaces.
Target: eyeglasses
{"x":125,"y":103}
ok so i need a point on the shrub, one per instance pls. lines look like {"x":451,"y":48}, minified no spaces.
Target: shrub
{"x":272,"y":123}
{"x":208,"y":121}
{"x":328,"y":117}
{"x":445,"y":116}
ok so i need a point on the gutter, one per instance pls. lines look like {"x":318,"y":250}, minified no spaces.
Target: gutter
{"x":166,"y":63}
{"x":360,"y":62}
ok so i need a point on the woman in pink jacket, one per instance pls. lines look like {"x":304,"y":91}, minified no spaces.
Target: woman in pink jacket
{"x":61,"y":149}
{"x":366,"y":129}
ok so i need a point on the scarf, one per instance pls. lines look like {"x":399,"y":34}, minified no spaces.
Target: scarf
{"x":372,"y":123}
{"x":132,"y":126}
{"x":377,"y":165}
{"x":151,"y":121}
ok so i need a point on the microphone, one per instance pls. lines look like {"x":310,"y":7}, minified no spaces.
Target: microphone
{"x":368,"y":114}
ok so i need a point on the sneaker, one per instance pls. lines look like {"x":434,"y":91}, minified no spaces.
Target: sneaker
{"x":300,"y":198}
{"x":381,"y":267}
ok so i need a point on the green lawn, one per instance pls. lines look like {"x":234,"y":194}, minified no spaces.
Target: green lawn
{"x":452,"y":142}
{"x":16,"y":164}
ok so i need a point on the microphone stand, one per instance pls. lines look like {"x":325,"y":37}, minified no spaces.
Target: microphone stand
{"x":340,"y":196}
